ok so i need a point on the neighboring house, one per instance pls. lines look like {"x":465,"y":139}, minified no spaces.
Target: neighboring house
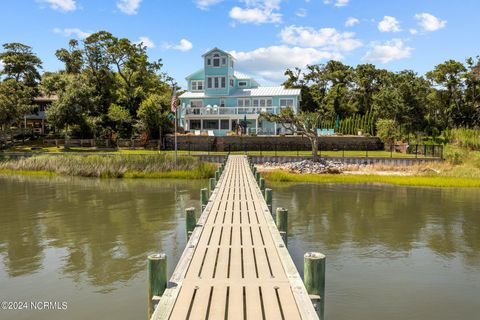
{"x":36,"y":121}
{"x":219,"y":99}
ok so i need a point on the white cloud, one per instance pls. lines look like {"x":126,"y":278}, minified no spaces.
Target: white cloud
{"x":68,"y":32}
{"x":337,"y":3}
{"x":429,"y":22}
{"x":146,"y":42}
{"x":302,"y":13}
{"x":389,"y":24}
{"x":326,"y":38}
{"x":129,"y":7}
{"x":413,"y":31}
{"x":351,"y":22}
{"x":184,"y":45}
{"x":61,"y":5}
{"x":388,"y":51}
{"x":257,"y":12}
{"x":270,"y":63}
{"x":205,"y":4}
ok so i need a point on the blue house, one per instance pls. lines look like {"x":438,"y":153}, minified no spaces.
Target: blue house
{"x":220,"y":99}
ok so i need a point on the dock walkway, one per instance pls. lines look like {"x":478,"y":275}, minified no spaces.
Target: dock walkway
{"x":235,"y":265}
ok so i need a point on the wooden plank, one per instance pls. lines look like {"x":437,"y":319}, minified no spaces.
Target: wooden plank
{"x":231,"y":255}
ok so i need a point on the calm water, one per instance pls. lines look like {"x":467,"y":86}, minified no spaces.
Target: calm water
{"x":392,"y":252}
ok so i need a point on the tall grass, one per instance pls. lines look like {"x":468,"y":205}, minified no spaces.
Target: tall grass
{"x":115,"y":166}
{"x":466,"y":138}
{"x":424,"y":181}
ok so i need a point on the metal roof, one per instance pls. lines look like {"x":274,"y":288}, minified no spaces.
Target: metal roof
{"x":241,"y":76}
{"x":254,"y":92}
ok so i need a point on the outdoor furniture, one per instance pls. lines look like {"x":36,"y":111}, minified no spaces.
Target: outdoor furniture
{"x":210,"y":133}
{"x":196,"y":132}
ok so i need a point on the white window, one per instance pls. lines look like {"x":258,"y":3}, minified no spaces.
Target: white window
{"x":222,"y":103}
{"x":231,"y":63}
{"x":242,"y":83}
{"x":197,"y":85}
{"x":216,"y":82}
{"x":231,"y":83}
{"x":262,"y":102}
{"x":216,"y":60}
{"x":224,"y":61}
{"x":243,"y":102}
{"x":196,"y":103}
{"x":286,"y":103}
{"x":209,"y":62}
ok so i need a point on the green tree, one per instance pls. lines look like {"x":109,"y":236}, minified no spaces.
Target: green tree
{"x":75,"y":103}
{"x":15,"y":102}
{"x":304,"y":123}
{"x":447,"y":100}
{"x":120,"y":116}
{"x":20,"y":64}
{"x":72,"y":57}
{"x":153,"y":115}
{"x":387,"y":130}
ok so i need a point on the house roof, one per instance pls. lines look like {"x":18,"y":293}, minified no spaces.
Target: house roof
{"x":194,"y":74}
{"x":254,"y":92}
{"x":216,"y":49}
{"x":241,"y":76}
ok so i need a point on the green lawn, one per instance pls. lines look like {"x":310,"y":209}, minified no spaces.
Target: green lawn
{"x":361,"y":154}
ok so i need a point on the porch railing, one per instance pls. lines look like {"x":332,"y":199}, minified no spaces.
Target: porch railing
{"x":229,"y":110}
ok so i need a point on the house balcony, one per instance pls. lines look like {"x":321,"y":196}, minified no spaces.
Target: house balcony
{"x":193,"y":112}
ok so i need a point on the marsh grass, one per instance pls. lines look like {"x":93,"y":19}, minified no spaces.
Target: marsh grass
{"x":424,"y":181}
{"x":113,"y":166}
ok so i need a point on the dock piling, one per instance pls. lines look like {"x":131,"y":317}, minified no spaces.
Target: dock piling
{"x":257,"y":177}
{"x":157,"y":279}
{"x":204,"y":198}
{"x":262,"y":185}
{"x":190,"y":221}
{"x":268,"y":199}
{"x":211,"y":184}
{"x":282,"y":219}
{"x":314,"y":280}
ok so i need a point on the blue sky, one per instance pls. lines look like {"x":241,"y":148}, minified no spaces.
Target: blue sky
{"x":266,"y":36}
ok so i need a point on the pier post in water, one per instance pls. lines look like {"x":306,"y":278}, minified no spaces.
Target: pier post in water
{"x":157,"y":279}
{"x":268,"y":199}
{"x":204,"y":198}
{"x":281,"y":219}
{"x":190,"y":220}
{"x":262,"y":185}
{"x":314,"y":279}
{"x":211,"y":184}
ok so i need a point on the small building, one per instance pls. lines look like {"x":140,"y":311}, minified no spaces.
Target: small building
{"x":36,"y":120}
{"x":220,"y":99}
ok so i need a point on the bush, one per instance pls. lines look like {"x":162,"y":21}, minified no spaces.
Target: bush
{"x":466,"y":138}
{"x":387,"y":130}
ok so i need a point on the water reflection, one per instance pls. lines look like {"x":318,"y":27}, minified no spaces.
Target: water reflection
{"x":384,"y":221}
{"x":106,"y":227}
{"x":392,"y":252}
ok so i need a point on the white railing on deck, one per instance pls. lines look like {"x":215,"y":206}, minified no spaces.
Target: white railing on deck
{"x":198,"y":111}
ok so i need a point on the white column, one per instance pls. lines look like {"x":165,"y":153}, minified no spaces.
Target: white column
{"x":256,"y":125}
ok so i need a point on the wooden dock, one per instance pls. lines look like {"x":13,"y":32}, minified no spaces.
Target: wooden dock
{"x":235,"y":265}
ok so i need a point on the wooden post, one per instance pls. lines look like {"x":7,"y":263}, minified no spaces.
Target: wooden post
{"x":204,"y":198}
{"x":281,"y":219}
{"x":257,"y":177}
{"x":314,"y":279}
{"x":268,"y":198}
{"x":284,"y":237}
{"x":190,"y":220}
{"x":157,"y":279}
{"x":217,"y":175}
{"x":211,"y":184}
{"x":262,"y":185}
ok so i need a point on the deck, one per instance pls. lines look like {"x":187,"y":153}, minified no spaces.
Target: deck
{"x":235,"y":265}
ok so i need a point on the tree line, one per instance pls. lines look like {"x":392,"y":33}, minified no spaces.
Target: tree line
{"x":445,"y":98}
{"x":108,"y":88}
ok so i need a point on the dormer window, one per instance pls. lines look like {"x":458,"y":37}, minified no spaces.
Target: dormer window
{"x":216,"y":60}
